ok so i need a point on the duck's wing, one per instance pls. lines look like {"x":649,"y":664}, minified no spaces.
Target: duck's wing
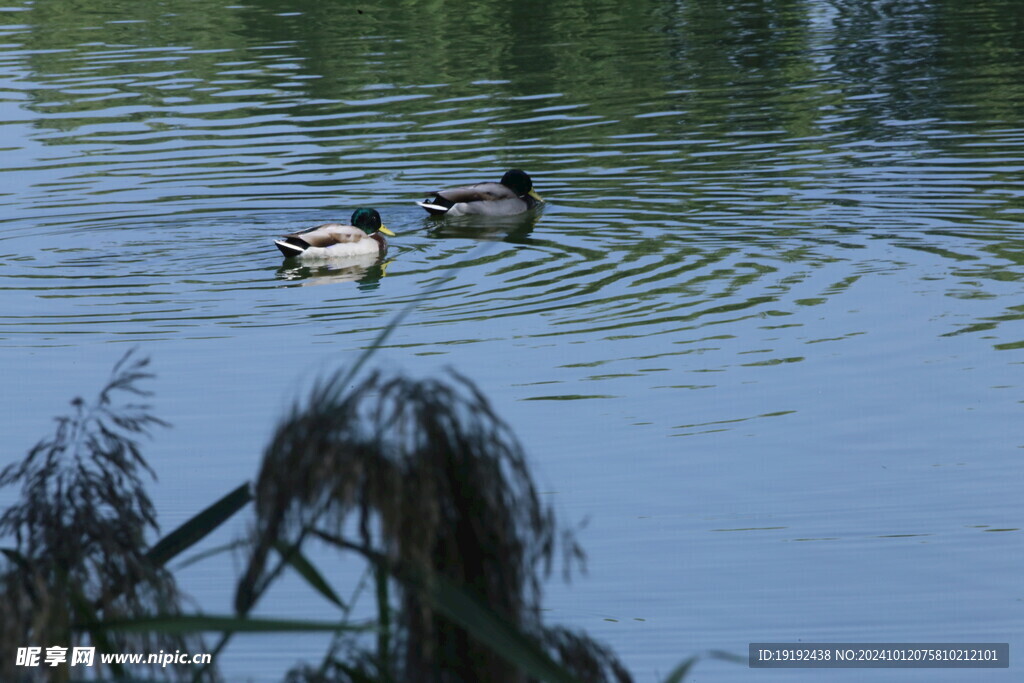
{"x":497,"y":207}
{"x":481,"y":192}
{"x":455,"y":199}
{"x":325,"y":235}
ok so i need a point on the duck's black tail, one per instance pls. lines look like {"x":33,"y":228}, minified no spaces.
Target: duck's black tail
{"x":291,"y":246}
{"x":436,"y":206}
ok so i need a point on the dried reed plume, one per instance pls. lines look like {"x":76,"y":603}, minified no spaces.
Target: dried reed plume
{"x":428,"y":479}
{"x":79,"y":529}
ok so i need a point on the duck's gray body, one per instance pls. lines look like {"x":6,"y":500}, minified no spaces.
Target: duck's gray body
{"x":512,"y":196}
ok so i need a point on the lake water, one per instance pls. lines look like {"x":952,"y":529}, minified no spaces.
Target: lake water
{"x":765,"y":338}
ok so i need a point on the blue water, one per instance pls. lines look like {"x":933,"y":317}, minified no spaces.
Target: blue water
{"x":765,"y":338}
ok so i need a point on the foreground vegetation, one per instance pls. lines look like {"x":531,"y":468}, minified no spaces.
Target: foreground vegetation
{"x":418,"y":478}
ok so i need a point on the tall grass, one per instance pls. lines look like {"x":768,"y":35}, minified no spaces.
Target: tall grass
{"x":79,"y":529}
{"x":417,"y":478}
{"x":421,"y":478}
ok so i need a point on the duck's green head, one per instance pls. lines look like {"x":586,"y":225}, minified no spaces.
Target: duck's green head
{"x":520,"y":183}
{"x":368,"y":220}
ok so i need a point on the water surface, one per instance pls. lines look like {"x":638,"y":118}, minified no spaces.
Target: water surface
{"x":765,"y":336}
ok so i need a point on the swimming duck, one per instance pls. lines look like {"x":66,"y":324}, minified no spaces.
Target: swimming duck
{"x":514,"y":194}
{"x":334,"y":240}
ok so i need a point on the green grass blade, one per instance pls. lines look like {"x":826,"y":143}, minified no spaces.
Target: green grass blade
{"x":503,"y":638}
{"x":91,"y":625}
{"x":195,"y":529}
{"x":382,"y":336}
{"x":728,"y":656}
{"x":199,"y":557}
{"x":400,"y":316}
{"x":466,"y":610}
{"x":306,"y":570}
{"x":679,"y":673}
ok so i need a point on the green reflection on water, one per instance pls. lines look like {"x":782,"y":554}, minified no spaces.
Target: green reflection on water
{"x":730,"y":186}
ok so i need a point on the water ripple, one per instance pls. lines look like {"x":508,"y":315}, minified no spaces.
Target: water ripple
{"x":655,"y":226}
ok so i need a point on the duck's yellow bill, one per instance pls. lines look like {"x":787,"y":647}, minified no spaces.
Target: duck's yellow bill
{"x":384,"y":229}
{"x":533,"y":193}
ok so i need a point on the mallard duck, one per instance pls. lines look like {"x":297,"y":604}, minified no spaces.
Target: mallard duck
{"x":334,"y":240}
{"x":514,"y":194}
